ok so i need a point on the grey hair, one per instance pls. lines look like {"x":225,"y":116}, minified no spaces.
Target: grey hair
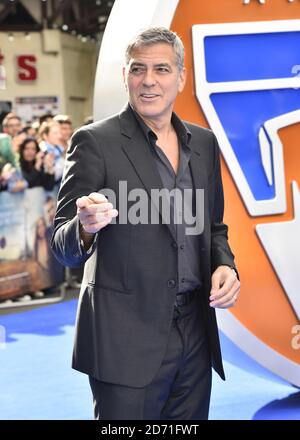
{"x":157,"y":35}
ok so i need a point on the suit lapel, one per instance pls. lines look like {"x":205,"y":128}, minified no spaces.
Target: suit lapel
{"x":197,"y":165}
{"x":137,"y":150}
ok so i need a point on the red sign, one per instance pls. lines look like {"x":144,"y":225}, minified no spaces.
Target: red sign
{"x":26,"y":68}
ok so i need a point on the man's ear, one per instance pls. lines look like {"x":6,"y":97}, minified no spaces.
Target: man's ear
{"x":181,"y":79}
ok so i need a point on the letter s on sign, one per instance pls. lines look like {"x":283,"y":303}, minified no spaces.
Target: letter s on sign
{"x":27,"y":70}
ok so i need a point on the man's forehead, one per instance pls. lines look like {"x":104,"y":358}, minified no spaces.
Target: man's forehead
{"x":14,"y":121}
{"x":159,"y":53}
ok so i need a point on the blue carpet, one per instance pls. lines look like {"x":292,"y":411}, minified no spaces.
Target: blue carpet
{"x":37,"y":382}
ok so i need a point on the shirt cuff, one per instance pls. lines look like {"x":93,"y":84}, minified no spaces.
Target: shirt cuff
{"x":90,"y":249}
{"x":81,"y":242}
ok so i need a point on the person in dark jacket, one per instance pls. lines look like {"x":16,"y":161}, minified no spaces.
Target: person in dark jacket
{"x":37,"y":167}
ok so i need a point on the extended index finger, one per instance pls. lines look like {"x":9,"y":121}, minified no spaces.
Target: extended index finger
{"x":83,"y":202}
{"x":97,"y":197}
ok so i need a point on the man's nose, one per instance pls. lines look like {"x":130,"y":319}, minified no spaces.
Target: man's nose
{"x":149,"y":78}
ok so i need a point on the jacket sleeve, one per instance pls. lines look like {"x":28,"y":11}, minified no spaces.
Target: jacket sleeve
{"x":84,"y":172}
{"x":221,"y":253}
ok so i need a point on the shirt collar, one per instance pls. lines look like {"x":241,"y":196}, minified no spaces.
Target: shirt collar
{"x":181,"y":129}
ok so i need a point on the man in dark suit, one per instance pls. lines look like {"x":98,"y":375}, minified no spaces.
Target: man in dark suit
{"x":146,"y":331}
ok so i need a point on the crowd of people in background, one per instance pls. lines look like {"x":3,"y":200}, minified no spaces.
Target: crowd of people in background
{"x":33,"y":155}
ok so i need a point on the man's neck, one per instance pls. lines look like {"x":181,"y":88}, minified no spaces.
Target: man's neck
{"x":162,"y":127}
{"x":164,"y":130}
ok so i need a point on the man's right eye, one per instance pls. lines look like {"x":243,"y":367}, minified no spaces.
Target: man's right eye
{"x":136,"y":70}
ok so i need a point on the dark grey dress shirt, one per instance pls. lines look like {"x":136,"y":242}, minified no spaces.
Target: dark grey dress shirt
{"x":188,"y":249}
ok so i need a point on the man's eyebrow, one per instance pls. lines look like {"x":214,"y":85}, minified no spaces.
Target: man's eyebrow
{"x":162,"y":65}
{"x":139,"y":64}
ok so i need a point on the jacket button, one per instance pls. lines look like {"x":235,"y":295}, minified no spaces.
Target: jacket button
{"x":174,"y":245}
{"x":171,"y":283}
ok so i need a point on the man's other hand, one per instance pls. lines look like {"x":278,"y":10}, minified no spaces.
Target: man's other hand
{"x":225,"y":288}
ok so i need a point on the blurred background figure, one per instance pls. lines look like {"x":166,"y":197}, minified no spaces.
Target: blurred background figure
{"x":47,"y":117}
{"x":30,"y":130}
{"x":11,"y":178}
{"x":49,"y":211}
{"x":6,"y":152}
{"x":35,"y":126}
{"x":88,"y":120}
{"x":12,"y":124}
{"x":66,"y":130}
{"x":37,"y":166}
{"x":17,"y":140}
{"x":50,"y":142}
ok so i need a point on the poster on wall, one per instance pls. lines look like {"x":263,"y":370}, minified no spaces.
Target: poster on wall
{"x":27,"y":263}
{"x":30,"y":108}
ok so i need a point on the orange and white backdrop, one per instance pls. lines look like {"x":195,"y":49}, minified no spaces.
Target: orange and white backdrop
{"x":243,"y":62}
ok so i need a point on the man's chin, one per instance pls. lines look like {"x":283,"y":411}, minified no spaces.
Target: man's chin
{"x":149,"y":112}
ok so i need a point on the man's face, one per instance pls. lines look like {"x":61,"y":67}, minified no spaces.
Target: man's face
{"x":13,"y":127}
{"x":153,"y":80}
{"x":17,"y":140}
{"x":54,"y":135}
{"x":66,"y":131}
{"x":30,"y":151}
